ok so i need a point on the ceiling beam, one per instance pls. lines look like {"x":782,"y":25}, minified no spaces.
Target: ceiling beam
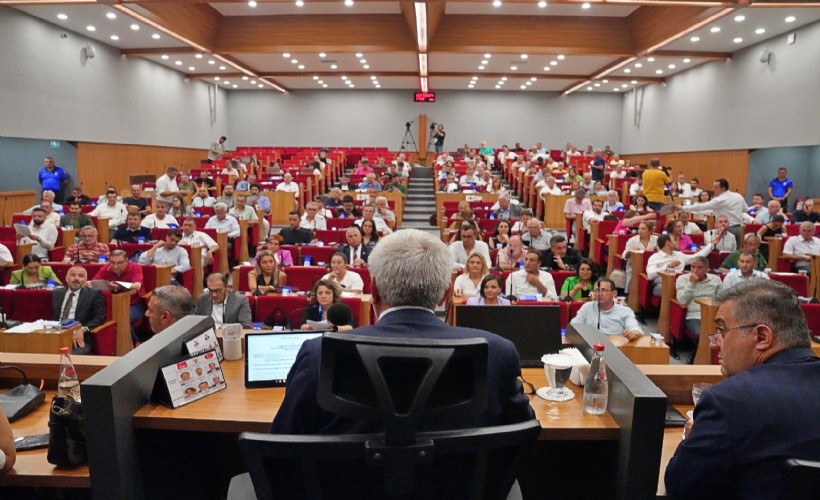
{"x":652,"y":28}
{"x":711,"y":56}
{"x":197,"y":23}
{"x":147,"y":52}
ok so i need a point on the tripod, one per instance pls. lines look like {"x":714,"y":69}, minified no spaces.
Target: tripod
{"x":408,"y":139}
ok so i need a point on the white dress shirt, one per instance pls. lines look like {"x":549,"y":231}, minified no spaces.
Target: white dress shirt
{"x":48,"y":238}
{"x":227,"y":225}
{"x":319,"y":222}
{"x":797,"y":245}
{"x":727,"y":203}
{"x":727,"y":242}
{"x":288,"y":187}
{"x":613,"y":321}
{"x":164,"y":184}
{"x":660,"y":260}
{"x":518,"y":285}
{"x":115,"y":214}
{"x":460,"y":255}
{"x":151,"y":221}
{"x":735,"y":277}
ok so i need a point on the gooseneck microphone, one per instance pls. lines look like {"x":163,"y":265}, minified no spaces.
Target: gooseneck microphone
{"x":598,"y":303}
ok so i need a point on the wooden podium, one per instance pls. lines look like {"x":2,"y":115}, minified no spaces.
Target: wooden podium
{"x":37,"y":342}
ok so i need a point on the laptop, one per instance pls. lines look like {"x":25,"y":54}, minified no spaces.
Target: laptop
{"x":270,"y":355}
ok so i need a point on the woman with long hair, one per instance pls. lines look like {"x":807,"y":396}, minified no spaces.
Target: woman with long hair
{"x":501,"y":235}
{"x":370,"y":236}
{"x":179,"y":209}
{"x":326,"y":293}
{"x":581,"y":285}
{"x":266,"y":276}
{"x":489,"y":293}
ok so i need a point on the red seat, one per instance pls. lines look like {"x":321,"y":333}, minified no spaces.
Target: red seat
{"x":339,"y":223}
{"x":303,"y":277}
{"x":61,"y":269}
{"x":291,"y":308}
{"x":797,"y":282}
{"x":812,"y":313}
{"x":317,"y":254}
{"x":333,"y":237}
{"x":559,"y":277}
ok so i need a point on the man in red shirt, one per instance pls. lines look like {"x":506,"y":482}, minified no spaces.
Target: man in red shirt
{"x":120,"y":269}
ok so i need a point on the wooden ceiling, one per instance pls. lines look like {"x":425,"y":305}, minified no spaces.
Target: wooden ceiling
{"x":562,"y":46}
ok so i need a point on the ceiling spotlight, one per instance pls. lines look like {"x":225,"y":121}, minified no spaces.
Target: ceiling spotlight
{"x":638,"y":65}
{"x":164,"y":57}
{"x":378,"y":86}
{"x":694,"y":39}
{"x":715,"y":29}
{"x":245,"y":78}
{"x":687,"y":60}
{"x":498,"y":86}
{"x":155,"y":36}
{"x":524,"y":56}
{"x":253,"y":82}
{"x":286,"y":55}
{"x":533,"y":79}
{"x":627,"y":71}
{"x":523,"y":87}
{"x":546,"y":68}
{"x":62,"y":17}
{"x":333,"y":66}
{"x":373,"y":77}
{"x":321,"y":82}
{"x":300,"y":3}
{"x":738,"y":40}
{"x":484,"y":61}
{"x":589,"y":89}
{"x":211,"y":62}
{"x":198,"y":56}
{"x":343,"y":77}
{"x":542,"y":4}
{"x":115,"y":37}
{"x":474,"y":78}
{"x":366,"y":66}
{"x":251,"y":4}
{"x":90,"y":28}
{"x":349,"y":3}
{"x":191,"y":68}
{"x":260,"y":86}
{"x":235,"y":86}
{"x":110,"y":15}
{"x":616,"y":89}
{"x":553,"y":63}
{"x":471,"y":86}
{"x":351,"y":85}
{"x":359,"y":55}
{"x":597,"y":84}
{"x":623,"y":85}
{"x":301,"y":66}
{"x":586,"y":5}
{"x":322,"y":55}
{"x":658,"y":71}
{"x":651,"y":59}
{"x":488,"y":56}
{"x":528,"y":84}
{"x":790,"y":19}
{"x":634,"y":82}
{"x":178,"y":63}
{"x":226,"y":82}
{"x":363,"y":61}
{"x":605,"y":80}
{"x":671,"y":66}
{"x":294,"y":61}
{"x":503,"y":78}
{"x":760,"y":31}
{"x":135,"y":27}
{"x":216,"y":78}
{"x":222,"y":68}
{"x":513,"y":68}
{"x":481,"y":67}
{"x":324,"y":85}
{"x":740,"y":19}
{"x":561,"y":57}
{"x":496,"y":3}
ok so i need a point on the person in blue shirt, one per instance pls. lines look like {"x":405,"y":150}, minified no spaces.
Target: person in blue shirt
{"x":781,"y":187}
{"x":53,"y":178}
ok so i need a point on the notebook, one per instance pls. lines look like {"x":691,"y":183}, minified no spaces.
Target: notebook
{"x":270,"y":355}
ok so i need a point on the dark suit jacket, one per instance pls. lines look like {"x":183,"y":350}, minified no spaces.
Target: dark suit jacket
{"x":746,"y":426}
{"x":90,"y":308}
{"x":572,"y":258}
{"x":296,"y":236}
{"x":300,"y":414}
{"x":364,"y":251}
{"x":237,"y":309}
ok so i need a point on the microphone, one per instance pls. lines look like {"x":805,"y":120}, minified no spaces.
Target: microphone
{"x":598,"y":303}
{"x":339,"y":314}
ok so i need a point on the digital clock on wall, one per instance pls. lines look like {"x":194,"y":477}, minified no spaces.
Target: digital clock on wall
{"x":424,"y":97}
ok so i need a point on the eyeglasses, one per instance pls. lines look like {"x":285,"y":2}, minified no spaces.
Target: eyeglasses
{"x":720,"y":333}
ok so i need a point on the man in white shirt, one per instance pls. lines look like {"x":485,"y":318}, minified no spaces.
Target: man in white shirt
{"x":549,"y":187}
{"x":6,"y":258}
{"x":383,"y":212}
{"x":595,"y":213}
{"x":42,"y":233}
{"x":312,"y":219}
{"x":697,"y":284}
{"x":798,"y":248}
{"x":202,"y":198}
{"x":725,"y":241}
{"x":192,"y":238}
{"x":288,"y":185}
{"x":772,"y":209}
{"x":52,"y":217}
{"x":369,"y":213}
{"x":111,"y":209}
{"x":161,"y":218}
{"x":167,"y":185}
{"x":443,"y":158}
{"x":222,"y":222}
{"x":47,"y":195}
{"x":725,"y":202}
{"x":684,"y":189}
{"x":535,"y":237}
{"x":612,"y":204}
{"x":603,"y":313}
{"x":668,"y":258}
{"x":469,"y":244}
{"x":746,"y":271}
{"x":531,"y":280}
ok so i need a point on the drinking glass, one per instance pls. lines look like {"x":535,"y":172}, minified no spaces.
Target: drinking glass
{"x":558,"y":368}
{"x":697,"y":391}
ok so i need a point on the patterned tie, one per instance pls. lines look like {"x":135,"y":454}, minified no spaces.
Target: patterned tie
{"x":68,"y":304}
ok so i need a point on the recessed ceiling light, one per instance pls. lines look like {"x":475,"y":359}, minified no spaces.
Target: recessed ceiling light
{"x":524,"y":56}
{"x":115,"y":37}
{"x":245,"y":78}
{"x":503,"y":78}
{"x":164,"y":57}
{"x":198,"y":56}
{"x":111,"y":15}
{"x":498,"y":86}
{"x":322,"y":55}
{"x":348,"y":82}
{"x":300,"y":3}
{"x":623,"y":85}
{"x":286,"y":55}
{"x":513,"y":68}
{"x":484,"y":61}
{"x":658,"y":71}
{"x":253,"y":82}
{"x":553,"y":63}
{"x":627,"y":71}
{"x":333,"y":66}
{"x":135,"y":27}
{"x":222,"y":68}
{"x":349,"y":3}
{"x":694,"y":39}
{"x":315,"y":77}
{"x":191,"y":68}
{"x":605,"y":80}
{"x":533,"y":79}
{"x":226,"y":82}
{"x":523,"y":87}
{"x":471,"y":86}
{"x":586,"y":5}
{"x":496,"y":3}
{"x":589,"y":89}
{"x":211,"y":62}
{"x":687,"y":60}
{"x":376,"y":83}
{"x":634,"y":82}
{"x":597,"y":84}
{"x":352,"y":86}
{"x":481,"y":67}
{"x":301,"y":66}
{"x":294,"y":61}
{"x":343,"y":77}
{"x":251,"y":3}
{"x":738,"y":40}
{"x":260,"y":86}
{"x":359,"y":55}
{"x":62,"y":17}
{"x":561,"y":57}
{"x":790,"y":19}
{"x":528,"y":84}
{"x":651,"y":59}
{"x":474,"y":78}
{"x":542,"y":4}
{"x":715,"y":29}
{"x":671,"y":66}
{"x":363,"y":61}
{"x":324,"y":85}
{"x":155,"y":36}
{"x":616,"y":89}
{"x":378,"y":86}
{"x":235,"y":86}
{"x":178,"y":63}
{"x":90,"y":28}
{"x":740,"y":19}
{"x":488,"y":56}
{"x":216,"y":78}
{"x":321,"y":82}
{"x":760,"y":31}
{"x":546,"y":68}
{"x":373,"y":77}
{"x":638,"y":65}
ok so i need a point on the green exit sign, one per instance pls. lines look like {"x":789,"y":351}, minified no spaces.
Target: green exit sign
{"x":55,"y":144}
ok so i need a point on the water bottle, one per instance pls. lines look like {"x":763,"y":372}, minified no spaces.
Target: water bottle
{"x":102,"y":259}
{"x":141,"y":240}
{"x":69,"y":384}
{"x":596,"y":388}
{"x":50,"y":284}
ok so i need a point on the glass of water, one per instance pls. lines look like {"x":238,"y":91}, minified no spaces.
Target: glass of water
{"x":697,"y":391}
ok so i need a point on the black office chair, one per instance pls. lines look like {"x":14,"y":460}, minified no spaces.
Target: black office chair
{"x":801,"y":480}
{"x":407,"y":390}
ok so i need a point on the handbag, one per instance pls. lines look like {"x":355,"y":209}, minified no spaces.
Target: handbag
{"x":66,"y":428}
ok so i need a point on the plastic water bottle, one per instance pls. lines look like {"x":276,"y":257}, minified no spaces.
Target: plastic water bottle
{"x":50,"y":284}
{"x":596,"y":388}
{"x":69,"y":384}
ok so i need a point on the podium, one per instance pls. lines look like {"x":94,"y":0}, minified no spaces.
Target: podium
{"x":37,"y":342}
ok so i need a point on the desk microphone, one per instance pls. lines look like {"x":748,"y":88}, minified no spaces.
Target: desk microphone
{"x":598,"y":303}
{"x":339,"y":314}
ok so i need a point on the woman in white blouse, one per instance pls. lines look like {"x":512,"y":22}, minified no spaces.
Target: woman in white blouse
{"x":349,"y":281}
{"x":467,"y":284}
{"x":642,"y":242}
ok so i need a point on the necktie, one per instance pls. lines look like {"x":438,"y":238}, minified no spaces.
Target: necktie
{"x":67,"y":309}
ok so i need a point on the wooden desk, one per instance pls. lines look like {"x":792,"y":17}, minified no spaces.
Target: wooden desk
{"x":708,"y":311}
{"x":199,"y":273}
{"x":667,"y":293}
{"x":672,"y":437}
{"x":224,"y":250}
{"x":814,"y":278}
{"x":23,"y":249}
{"x":102,"y":230}
{"x":37,"y":342}
{"x":237,"y":409}
{"x":642,"y":351}
{"x":775,"y":251}
{"x":121,"y":314}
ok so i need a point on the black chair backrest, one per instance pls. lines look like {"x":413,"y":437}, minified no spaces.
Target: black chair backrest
{"x":801,"y":480}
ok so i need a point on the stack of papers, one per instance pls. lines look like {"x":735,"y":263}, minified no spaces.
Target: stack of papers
{"x":34,"y":326}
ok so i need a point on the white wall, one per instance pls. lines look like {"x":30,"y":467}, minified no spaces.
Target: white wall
{"x":48,"y":91}
{"x":737,"y":104}
{"x":377,"y":118}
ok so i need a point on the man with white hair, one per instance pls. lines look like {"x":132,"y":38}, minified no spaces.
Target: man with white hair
{"x":383,"y":212}
{"x":312,"y":219}
{"x":222,"y":222}
{"x":161,"y":218}
{"x":772,"y":209}
{"x":798,"y":249}
{"x":46,"y":196}
{"x":505,"y":208}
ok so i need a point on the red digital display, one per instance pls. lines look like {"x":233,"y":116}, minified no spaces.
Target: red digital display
{"x":424,"y":97}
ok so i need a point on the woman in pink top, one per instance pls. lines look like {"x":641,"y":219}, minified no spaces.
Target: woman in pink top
{"x":675,"y":230}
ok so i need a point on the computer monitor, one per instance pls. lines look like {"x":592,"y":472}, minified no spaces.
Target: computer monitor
{"x":535,"y":330}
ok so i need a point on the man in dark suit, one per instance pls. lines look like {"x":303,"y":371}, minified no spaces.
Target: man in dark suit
{"x":225,"y":306}
{"x":559,"y":257}
{"x":764,"y":412}
{"x":80,"y":303}
{"x":356,"y":254}
{"x":404,"y":304}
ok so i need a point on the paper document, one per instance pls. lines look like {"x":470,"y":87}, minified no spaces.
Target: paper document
{"x":319,"y":325}
{"x":22,"y":229}
{"x":34,"y":326}
{"x":103,"y":285}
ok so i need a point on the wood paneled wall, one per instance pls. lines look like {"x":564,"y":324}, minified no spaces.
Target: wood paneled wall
{"x":102,"y":165}
{"x":732,"y":165}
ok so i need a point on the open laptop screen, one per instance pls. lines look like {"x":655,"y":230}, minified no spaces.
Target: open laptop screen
{"x":270,"y":355}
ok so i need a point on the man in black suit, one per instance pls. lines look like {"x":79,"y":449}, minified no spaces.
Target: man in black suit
{"x":293,"y":234}
{"x":80,"y":303}
{"x":764,"y":412}
{"x":559,"y":257}
{"x":404,"y":302}
{"x":355,"y":252}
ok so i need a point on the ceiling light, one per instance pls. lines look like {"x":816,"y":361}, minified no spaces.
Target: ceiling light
{"x":715,"y":29}
{"x":322,"y":55}
{"x":481,"y":67}
{"x":222,"y":68}
{"x":474,"y":78}
{"x":616,"y":89}
{"x":627,"y":71}
{"x":605,"y":81}
{"x":498,"y":86}
{"x":542,"y":4}
{"x":344,"y":77}
{"x":513,"y":68}
{"x":286,"y":55}
{"x":634,"y":82}
{"x":488,"y":56}
{"x":740,"y":19}
{"x":164,"y":57}
{"x":373,"y":77}
{"x":235,"y":86}
{"x":191,"y":68}
{"x":217,"y":78}
{"x":589,"y":89}
{"x":359,"y":55}
{"x":503,"y":78}
{"x":421,"y":26}
{"x":253,"y":82}
{"x":198,"y":56}
{"x":135,"y":27}
{"x":553,"y":63}
{"x":738,"y":40}
{"x":110,"y":15}
{"x":294,"y":61}
{"x":586,"y":5}
{"x":155,"y":36}
{"x":226,"y":82}
{"x":423,"y":64}
{"x":324,"y":85}
{"x":496,"y":3}
{"x":471,"y":86}
{"x":90,"y":28}
{"x":321,"y":82}
{"x":671,"y":66}
{"x":211,"y":62}
{"x":623,"y":85}
{"x":115,"y":37}
{"x":694,"y":39}
{"x":760,"y":31}
{"x":687,"y":60}
{"x":301,"y":66}
{"x":638,"y":65}
{"x":349,"y":3}
{"x":300,"y":3}
{"x":651,"y":59}
{"x":790,"y":19}
{"x":546,"y":68}
{"x":597,"y":84}
{"x":333,"y":66}
{"x":523,"y":87}
{"x":351,"y":85}
{"x":251,"y":3}
{"x":524,"y":56}
{"x":533,"y":79}
{"x":528,"y":84}
{"x":376,"y":83}
{"x":315,"y":77}
{"x":62,"y":17}
{"x":260,"y":86}
{"x":363,"y":61}
{"x":245,"y":78}
{"x":178,"y":63}
{"x":484,"y":61}
{"x":658,"y":71}
{"x":378,"y":86}
{"x":561,"y":57}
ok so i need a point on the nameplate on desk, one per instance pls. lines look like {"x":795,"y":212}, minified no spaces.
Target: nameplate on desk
{"x":188,"y":379}
{"x":205,"y":341}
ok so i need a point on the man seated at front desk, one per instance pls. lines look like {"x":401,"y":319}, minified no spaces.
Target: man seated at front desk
{"x":531,"y":280}
{"x":764,"y":412}
{"x":610,"y":318}
{"x":167,"y":252}
{"x":43,"y":234}
{"x":294,"y":234}
{"x":559,"y":257}
{"x":81,"y":303}
{"x":120,"y":269}
{"x":799,"y":249}
{"x":132,"y":230}
{"x":223,"y":305}
{"x":89,"y":249}
{"x":168,"y":304}
{"x":667,"y":258}
{"x":751,"y":243}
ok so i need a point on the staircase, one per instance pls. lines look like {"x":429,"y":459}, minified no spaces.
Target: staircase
{"x":421,"y":201}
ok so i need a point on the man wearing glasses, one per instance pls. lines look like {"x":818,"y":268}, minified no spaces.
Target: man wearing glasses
{"x":764,"y":412}
{"x":223,"y":305}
